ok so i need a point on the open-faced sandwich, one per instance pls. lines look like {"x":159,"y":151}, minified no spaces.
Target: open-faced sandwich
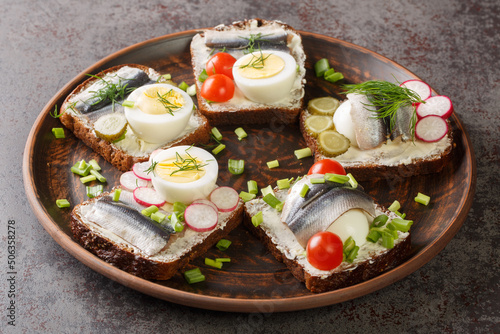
{"x":382,"y":129}
{"x":128,"y":111}
{"x":249,"y":72}
{"x":166,"y":212}
{"x":328,"y":231}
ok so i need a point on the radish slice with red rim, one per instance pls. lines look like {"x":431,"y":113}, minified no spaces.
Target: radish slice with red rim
{"x":431,"y":128}
{"x":139,"y":169}
{"x":129,"y":181}
{"x":438,"y":105}
{"x":201,"y":217}
{"x":225,"y":198}
{"x":419,"y":87}
{"x":207,"y":202}
{"x":148,"y":196}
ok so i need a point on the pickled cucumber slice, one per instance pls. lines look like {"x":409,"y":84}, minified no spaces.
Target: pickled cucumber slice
{"x":332,"y":143}
{"x":110,"y":127}
{"x":315,"y":124}
{"x":323,"y":105}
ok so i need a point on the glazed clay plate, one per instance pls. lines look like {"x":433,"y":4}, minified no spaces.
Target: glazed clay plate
{"x":254,"y":280}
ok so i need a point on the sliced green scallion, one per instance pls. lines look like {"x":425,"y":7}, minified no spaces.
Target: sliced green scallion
{"x":373,"y":236}
{"x":279,"y":206}
{"x":380,"y":220}
{"x":223,"y":244}
{"x":387,"y":240}
{"x":81,"y":168}
{"x":240,"y":133}
{"x":184,"y":86}
{"x":271,"y":200}
{"x":95,"y":165}
{"x":401,"y":224}
{"x":98,"y":175}
{"x":257,"y":219}
{"x":273,"y":164}
{"x":321,"y":66}
{"x":94,"y":191}
{"x":223,"y":259}
{"x":213,"y":263}
{"x":252,"y":187}
{"x":245,"y":196}
{"x":267,"y":190}
{"x":218,"y":149}
{"x":236,"y":167}
{"x":116,"y":195}
{"x":338,"y":178}
{"x":203,"y":76}
{"x":283,"y":183}
{"x":317,"y":180}
{"x":58,"y":133}
{"x":194,"y":276}
{"x":191,"y":90}
{"x":158,"y":216}
{"x":303,"y":153}
{"x":304,"y":191}
{"x":334,"y":77}
{"x":216,"y":133}
{"x":352,"y":181}
{"x":128,"y":104}
{"x":422,"y":199}
{"x":88,"y":178}
{"x":395,"y":206}
{"x":62,"y":203}
{"x":149,"y":210}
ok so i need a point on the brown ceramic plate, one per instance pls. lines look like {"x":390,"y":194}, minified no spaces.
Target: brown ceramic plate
{"x":254,"y":280}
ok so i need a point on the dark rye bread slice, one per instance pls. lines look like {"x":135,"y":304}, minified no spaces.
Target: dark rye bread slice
{"x":121,"y":157}
{"x":365,"y":169}
{"x":128,"y":258}
{"x":322,"y":281}
{"x":233,"y":112}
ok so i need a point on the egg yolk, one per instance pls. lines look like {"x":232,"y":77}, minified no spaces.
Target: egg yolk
{"x":261,"y":66}
{"x":159,"y":101}
{"x":180,"y":169}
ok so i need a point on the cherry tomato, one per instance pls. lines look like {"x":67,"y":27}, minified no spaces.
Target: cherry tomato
{"x":327,"y":166}
{"x":217,"y":88}
{"x":325,"y":250}
{"x":221,"y":63}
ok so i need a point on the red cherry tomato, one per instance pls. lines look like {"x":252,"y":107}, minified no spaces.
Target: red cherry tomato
{"x":221,"y":63}
{"x":327,"y":166}
{"x":217,"y":88}
{"x":325,"y":250}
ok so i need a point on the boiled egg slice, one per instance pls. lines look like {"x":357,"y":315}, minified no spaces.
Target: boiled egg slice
{"x":184,"y":173}
{"x":343,"y":122}
{"x":265,"y":76}
{"x":160,"y":112}
{"x":354,"y":223}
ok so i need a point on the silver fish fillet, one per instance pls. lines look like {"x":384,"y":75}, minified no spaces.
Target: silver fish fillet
{"x":402,"y":124}
{"x":129,"y":224}
{"x":323,"y":205}
{"x":370,"y":130}
{"x":265,"y":39}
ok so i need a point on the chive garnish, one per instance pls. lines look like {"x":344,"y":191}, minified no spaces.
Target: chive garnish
{"x":257,"y":219}
{"x":240,"y":133}
{"x":58,"y":133}
{"x":116,"y":195}
{"x":223,"y":244}
{"x":422,"y":199}
{"x":245,"y":196}
{"x":303,"y":153}
{"x":236,"y":167}
{"x":252,"y":187}
{"x":273,"y":164}
{"x":62,"y":203}
{"x":213,"y":263}
{"x":194,"y":276}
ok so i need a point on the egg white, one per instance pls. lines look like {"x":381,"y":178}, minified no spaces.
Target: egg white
{"x":158,"y":128}
{"x":354,"y":223}
{"x":343,"y":122}
{"x":190,"y":191}
{"x":267,"y":90}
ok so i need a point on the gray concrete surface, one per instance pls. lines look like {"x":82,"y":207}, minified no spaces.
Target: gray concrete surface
{"x":452,"y":44}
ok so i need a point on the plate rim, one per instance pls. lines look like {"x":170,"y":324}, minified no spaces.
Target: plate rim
{"x":264,"y":305}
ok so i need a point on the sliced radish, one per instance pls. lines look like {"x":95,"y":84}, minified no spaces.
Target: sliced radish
{"x":130,"y":181}
{"x":225,"y":198}
{"x":201,"y":217}
{"x":148,"y":196}
{"x":431,"y":128}
{"x":207,"y":202}
{"x":419,"y":87}
{"x":139,"y":169}
{"x":438,"y":105}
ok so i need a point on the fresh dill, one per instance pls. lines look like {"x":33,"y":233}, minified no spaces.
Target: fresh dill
{"x":186,"y":164}
{"x":169,"y":106}
{"x":111,"y":91}
{"x":151,"y":169}
{"x":387,"y":97}
{"x":250,"y":48}
{"x":256,"y":62}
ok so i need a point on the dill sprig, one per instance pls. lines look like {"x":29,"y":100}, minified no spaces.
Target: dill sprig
{"x":169,"y":106}
{"x":111,"y":91}
{"x":387,"y":97}
{"x":186,"y":164}
{"x":151,"y":169}
{"x":256,"y":62}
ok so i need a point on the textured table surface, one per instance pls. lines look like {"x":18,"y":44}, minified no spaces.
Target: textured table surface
{"x":451,"y":44}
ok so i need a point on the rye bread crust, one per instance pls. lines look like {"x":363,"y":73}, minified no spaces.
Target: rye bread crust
{"x":255,"y":114}
{"x":118,"y":157}
{"x":139,"y":265}
{"x":369,"y":170}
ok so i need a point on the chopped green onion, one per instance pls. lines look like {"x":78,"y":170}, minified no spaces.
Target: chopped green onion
{"x":273,"y":164}
{"x":334,"y":77}
{"x":194,"y":276}
{"x":240,"y":133}
{"x":58,"y":133}
{"x":373,"y":236}
{"x":352,"y":254}
{"x":317,"y":180}
{"x":321,"y":66}
{"x":81,"y":168}
{"x":184,"y":86}
{"x":82,"y":164}
{"x":149,"y":210}
{"x":223,"y":259}
{"x":257,"y":219}
{"x":267,"y":190}
{"x":97,"y":175}
{"x":88,"y":178}
{"x":395,"y":206}
{"x":402,"y":225}
{"x":223,"y":244}
{"x":349,"y":245}
{"x":179,"y":207}
{"x":303,"y":153}
{"x":213,"y":263}
{"x":175,"y":222}
{"x":338,"y":178}
{"x":95,"y":165}
{"x":236,"y":167}
{"x":94,"y":191}
{"x":167,"y":76}
{"x":279,"y":207}
{"x":387,"y":240}
{"x":216,"y":133}
{"x":245,"y":196}
{"x":128,"y":104}
{"x":352,"y":181}
{"x":283,"y":183}
{"x":218,"y":149}
{"x":271,"y":200}
{"x":116,"y":195}
{"x":304,"y":191}
{"x":252,"y":187}
{"x":158,"y":216}
{"x":402,"y":215}
{"x":191,"y":91}
{"x":203,"y":76}
{"x":330,"y":71}
{"x":422,"y":199}
{"x":380,"y":220}
{"x":62,"y":203}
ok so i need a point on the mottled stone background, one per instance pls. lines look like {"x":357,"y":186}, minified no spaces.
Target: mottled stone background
{"x":452,"y":44}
